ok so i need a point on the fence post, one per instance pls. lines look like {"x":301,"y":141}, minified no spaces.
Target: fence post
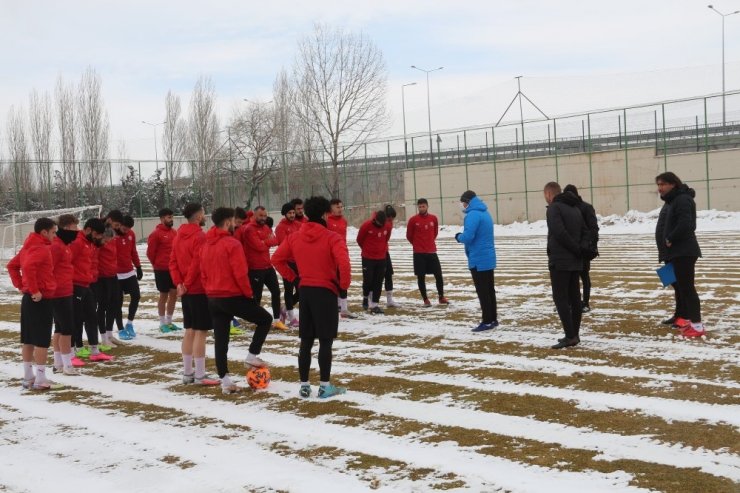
{"x":555,"y":136}
{"x":665,"y":145}
{"x":367,"y":180}
{"x":390,"y":174}
{"x":465,"y":145}
{"x":141,"y":205}
{"x":439,"y":175}
{"x":626,"y":158}
{"x":590,"y":160}
{"x":706,"y":153}
{"x":526,"y":186}
{"x":495,"y":175}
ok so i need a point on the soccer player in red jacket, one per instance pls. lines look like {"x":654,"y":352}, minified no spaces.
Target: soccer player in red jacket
{"x":85,"y":249}
{"x":374,"y":247}
{"x":223,"y":270}
{"x":31,"y":272}
{"x":158,"y":251}
{"x":390,"y":216}
{"x":257,"y":239}
{"x":185,"y":272}
{"x":106,"y":287}
{"x":300,"y":217}
{"x":287,"y":226}
{"x":323,"y":261}
{"x":129,"y":274}
{"x":421,"y":231}
{"x":336,"y":222}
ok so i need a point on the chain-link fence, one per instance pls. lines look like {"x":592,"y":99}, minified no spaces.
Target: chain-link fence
{"x":395,"y":170}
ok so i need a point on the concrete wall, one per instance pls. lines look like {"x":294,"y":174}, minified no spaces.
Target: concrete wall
{"x":613,"y":181}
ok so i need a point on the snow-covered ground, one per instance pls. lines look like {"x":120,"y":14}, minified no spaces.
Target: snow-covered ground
{"x":430,"y":405}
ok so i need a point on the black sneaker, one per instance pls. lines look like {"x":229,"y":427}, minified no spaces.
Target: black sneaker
{"x":585,"y":309}
{"x":566,"y":343}
{"x":669,"y":321}
{"x":562,"y":339}
{"x":364,"y":303}
{"x":376,"y":310}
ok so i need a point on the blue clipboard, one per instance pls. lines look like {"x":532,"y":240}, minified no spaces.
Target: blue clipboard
{"x":666,"y":274}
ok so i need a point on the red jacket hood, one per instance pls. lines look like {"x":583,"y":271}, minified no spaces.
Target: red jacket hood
{"x":189,"y":230}
{"x":216,"y":234}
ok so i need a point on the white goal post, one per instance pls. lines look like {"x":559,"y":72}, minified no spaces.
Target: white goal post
{"x":17,"y":225}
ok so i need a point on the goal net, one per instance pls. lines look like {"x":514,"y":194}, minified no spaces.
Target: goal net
{"x":17,"y":225}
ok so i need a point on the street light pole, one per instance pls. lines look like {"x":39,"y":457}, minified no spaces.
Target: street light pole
{"x":403,"y":110}
{"x":711,"y":7}
{"x":154,"y":128}
{"x":429,"y":108}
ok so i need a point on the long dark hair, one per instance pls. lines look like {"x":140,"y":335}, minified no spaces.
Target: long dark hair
{"x":670,"y":178}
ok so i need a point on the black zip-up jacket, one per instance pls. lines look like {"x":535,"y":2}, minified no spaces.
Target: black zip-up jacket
{"x":566,"y":233}
{"x":592,"y":225}
{"x":677,"y":224}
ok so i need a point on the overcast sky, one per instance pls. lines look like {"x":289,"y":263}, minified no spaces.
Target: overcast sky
{"x":574,"y":55}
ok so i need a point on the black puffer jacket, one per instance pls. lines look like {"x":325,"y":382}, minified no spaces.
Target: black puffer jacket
{"x":677,"y":224}
{"x":566,"y":233}
{"x":592,"y":225}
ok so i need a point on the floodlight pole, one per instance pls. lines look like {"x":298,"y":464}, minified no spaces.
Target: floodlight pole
{"x":403,"y":110}
{"x":429,"y":108}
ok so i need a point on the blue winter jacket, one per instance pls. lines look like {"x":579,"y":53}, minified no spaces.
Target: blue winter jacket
{"x":477,"y":236}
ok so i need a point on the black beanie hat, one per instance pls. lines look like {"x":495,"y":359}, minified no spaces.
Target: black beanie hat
{"x":467,"y":196}
{"x":287,"y":208}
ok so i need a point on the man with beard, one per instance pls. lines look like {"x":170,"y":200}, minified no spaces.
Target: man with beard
{"x":300,"y":218}
{"x":257,"y":239}
{"x":106,"y":287}
{"x":566,"y":230}
{"x":286,"y":227}
{"x":129,"y":274}
{"x":223,"y":269}
{"x":185,"y":272}
{"x":85,"y":248}
{"x":374,"y":250}
{"x":158,"y":251}
{"x":421,"y":232}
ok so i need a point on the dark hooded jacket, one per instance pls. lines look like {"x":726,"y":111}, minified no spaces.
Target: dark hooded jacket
{"x":567,"y":235}
{"x":592,"y":225}
{"x":677,"y":224}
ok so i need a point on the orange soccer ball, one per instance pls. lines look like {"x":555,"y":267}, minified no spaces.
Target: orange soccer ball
{"x":258,"y":378}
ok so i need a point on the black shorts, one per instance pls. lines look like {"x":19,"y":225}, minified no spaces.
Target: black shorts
{"x":426,"y":263}
{"x":195,"y":312}
{"x":163,"y":280}
{"x":36,"y":320}
{"x":319,"y":316}
{"x":64,"y":318}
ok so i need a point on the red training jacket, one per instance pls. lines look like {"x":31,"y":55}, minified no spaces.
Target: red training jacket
{"x":31,"y":270}
{"x":83,"y":255}
{"x":126,"y":255}
{"x":338,"y":224}
{"x":286,"y":228}
{"x":159,"y":246}
{"x":184,"y":261}
{"x":421,"y":231}
{"x":108,"y":259}
{"x":373,"y":240}
{"x":321,"y":256}
{"x":257,"y":240}
{"x":223,"y":266}
{"x":61,"y":256}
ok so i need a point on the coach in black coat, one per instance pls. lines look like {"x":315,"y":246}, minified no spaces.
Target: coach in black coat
{"x":566,"y":232}
{"x":592,"y":250}
{"x":675,"y":237}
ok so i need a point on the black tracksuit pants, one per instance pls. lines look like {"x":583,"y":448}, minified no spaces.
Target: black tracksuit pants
{"x":259,"y":278}
{"x":486,"y":290}
{"x":566,"y":294}
{"x":84,"y":309}
{"x":106,"y":297}
{"x":129,"y":286}
{"x":585,"y":275}
{"x":222,"y":311}
{"x":688,"y":305}
{"x":373,"y":272}
{"x":291,"y":290}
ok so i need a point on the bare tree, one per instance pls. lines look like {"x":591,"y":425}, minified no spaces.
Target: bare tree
{"x":174,"y":135}
{"x":123,"y":159}
{"x":18,"y":151}
{"x":203,"y":131}
{"x":94,"y":129}
{"x":40,"y":122}
{"x":67,"y":127}
{"x":340,"y":88}
{"x":253,"y":134}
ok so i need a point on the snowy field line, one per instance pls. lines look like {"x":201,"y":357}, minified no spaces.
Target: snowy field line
{"x":464,"y":388}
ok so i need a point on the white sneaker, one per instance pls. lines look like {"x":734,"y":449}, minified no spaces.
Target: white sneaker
{"x":71,"y":371}
{"x":255,"y":361}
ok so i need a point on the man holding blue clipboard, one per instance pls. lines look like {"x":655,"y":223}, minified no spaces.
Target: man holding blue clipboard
{"x":675,"y":237}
